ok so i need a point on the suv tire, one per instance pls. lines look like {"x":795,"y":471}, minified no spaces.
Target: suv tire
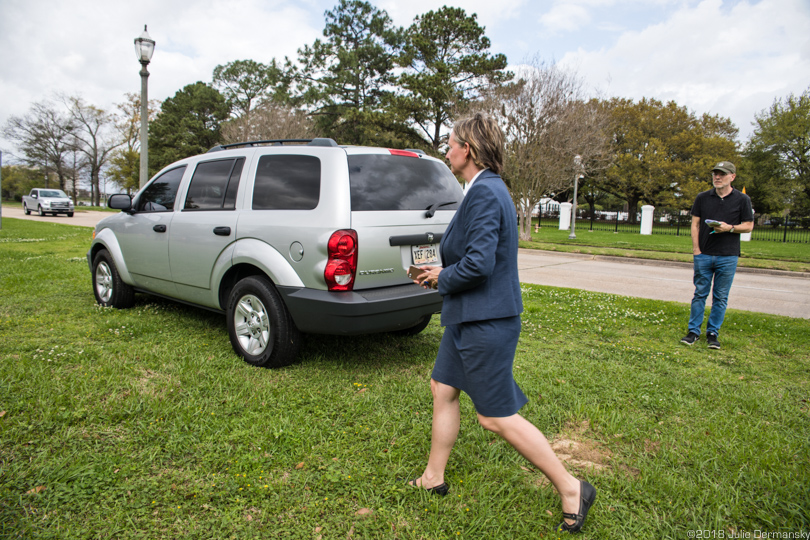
{"x":108,"y":287}
{"x":261,"y":329}
{"x":27,"y":211}
{"x":39,"y":210}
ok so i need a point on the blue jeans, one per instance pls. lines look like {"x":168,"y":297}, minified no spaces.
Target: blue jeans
{"x":721,"y":269}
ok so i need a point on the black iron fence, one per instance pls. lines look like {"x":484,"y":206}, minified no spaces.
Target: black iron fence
{"x":778,"y":229}
{"x":676,"y":222}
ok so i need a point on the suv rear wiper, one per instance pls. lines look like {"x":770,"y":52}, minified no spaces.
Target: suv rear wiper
{"x":431,"y":211}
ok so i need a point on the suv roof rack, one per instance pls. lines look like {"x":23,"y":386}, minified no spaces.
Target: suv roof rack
{"x":318,"y":141}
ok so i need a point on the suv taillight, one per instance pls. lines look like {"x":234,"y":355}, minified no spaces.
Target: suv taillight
{"x":342,"y":263}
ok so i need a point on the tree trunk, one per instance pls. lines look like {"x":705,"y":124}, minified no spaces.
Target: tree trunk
{"x":525,"y":223}
{"x":94,"y":180}
{"x":436,"y":136}
{"x":632,"y":210}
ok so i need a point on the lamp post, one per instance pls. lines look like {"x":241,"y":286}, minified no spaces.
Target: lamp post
{"x":577,"y":174}
{"x":144,"y":47}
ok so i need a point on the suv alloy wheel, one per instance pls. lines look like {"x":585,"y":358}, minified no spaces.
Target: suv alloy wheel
{"x":259,"y":326}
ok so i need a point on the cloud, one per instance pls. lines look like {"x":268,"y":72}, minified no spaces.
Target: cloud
{"x":730,"y":58}
{"x":708,"y":57}
{"x":85,"y":47}
{"x":489,"y":12}
{"x":565,"y":17}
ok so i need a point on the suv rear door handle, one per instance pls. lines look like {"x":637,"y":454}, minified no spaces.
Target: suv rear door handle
{"x":222,"y":231}
{"x":415,"y":239}
{"x":159,"y":228}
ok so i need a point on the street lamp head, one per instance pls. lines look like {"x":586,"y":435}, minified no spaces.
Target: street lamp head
{"x":144,"y":47}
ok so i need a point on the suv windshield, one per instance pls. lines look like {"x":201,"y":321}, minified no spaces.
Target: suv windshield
{"x":53,"y":193}
{"x":388,"y":182}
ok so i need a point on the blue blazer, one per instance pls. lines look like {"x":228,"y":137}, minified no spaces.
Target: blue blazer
{"x":479,"y":253}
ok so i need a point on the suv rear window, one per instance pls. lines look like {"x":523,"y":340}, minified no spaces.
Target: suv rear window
{"x":388,"y":182}
{"x":287,"y":183}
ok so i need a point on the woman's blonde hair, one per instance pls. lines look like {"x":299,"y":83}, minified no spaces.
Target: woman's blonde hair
{"x":485,"y":138}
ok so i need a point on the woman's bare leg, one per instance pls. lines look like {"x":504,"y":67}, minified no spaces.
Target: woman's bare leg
{"x":533,"y":445}
{"x":446,"y":422}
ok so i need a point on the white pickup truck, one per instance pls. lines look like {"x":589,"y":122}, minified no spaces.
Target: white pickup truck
{"x":47,"y":201}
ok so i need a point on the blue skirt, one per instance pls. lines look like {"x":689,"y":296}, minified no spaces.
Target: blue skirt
{"x":477,"y":357}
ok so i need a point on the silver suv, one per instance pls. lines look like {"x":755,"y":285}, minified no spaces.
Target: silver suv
{"x":284,"y":237}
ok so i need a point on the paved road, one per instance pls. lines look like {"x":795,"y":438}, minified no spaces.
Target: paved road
{"x":83,"y":218}
{"x":780,"y":293}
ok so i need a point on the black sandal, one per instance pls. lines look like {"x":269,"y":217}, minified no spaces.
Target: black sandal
{"x":587,"y":494}
{"x":441,"y":489}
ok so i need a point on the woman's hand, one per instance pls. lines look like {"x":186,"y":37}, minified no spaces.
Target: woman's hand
{"x":429,"y":278}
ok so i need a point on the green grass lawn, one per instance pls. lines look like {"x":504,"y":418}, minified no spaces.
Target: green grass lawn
{"x":142,"y":423}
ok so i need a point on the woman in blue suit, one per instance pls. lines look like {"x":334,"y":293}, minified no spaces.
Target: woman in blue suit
{"x":481,"y":315}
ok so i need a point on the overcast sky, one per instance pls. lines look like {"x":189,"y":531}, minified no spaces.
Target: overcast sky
{"x":731,"y":58}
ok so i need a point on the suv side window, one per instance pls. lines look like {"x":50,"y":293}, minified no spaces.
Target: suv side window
{"x":159,"y":195}
{"x":214,"y":185}
{"x":289,"y":182}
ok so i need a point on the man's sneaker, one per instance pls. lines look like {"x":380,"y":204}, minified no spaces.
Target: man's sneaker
{"x":712,"y":339}
{"x":690,"y":338}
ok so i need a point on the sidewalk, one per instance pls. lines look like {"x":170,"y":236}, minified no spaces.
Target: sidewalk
{"x":763,"y":291}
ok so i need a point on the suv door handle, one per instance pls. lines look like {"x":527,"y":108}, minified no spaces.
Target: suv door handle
{"x":159,"y":228}
{"x":222,"y":231}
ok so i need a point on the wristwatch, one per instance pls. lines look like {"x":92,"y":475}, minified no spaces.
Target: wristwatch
{"x":732,"y":229}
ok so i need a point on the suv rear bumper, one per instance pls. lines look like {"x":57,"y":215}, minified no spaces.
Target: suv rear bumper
{"x":359,"y":312}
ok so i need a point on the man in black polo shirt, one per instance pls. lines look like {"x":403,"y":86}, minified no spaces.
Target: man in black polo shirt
{"x":718,"y":217}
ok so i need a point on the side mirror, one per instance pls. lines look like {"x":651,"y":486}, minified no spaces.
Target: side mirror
{"x":120,"y":201}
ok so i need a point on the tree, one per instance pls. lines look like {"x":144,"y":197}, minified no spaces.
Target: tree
{"x":77,"y":165}
{"x":779,"y":154}
{"x":125,"y":162}
{"x":663,"y":152}
{"x":448,"y":64}
{"x":270,"y":120}
{"x":189,"y":123}
{"x":245,"y":84}
{"x":588,"y":126}
{"x":19,"y":180}
{"x":348,"y":77}
{"x":45,"y":137}
{"x":552,"y":134}
{"x":94,"y":138}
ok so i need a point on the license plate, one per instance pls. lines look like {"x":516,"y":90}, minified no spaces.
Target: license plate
{"x":428,"y":253}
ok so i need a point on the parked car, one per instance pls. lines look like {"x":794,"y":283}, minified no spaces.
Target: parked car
{"x":47,"y":201}
{"x":284,"y":239}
